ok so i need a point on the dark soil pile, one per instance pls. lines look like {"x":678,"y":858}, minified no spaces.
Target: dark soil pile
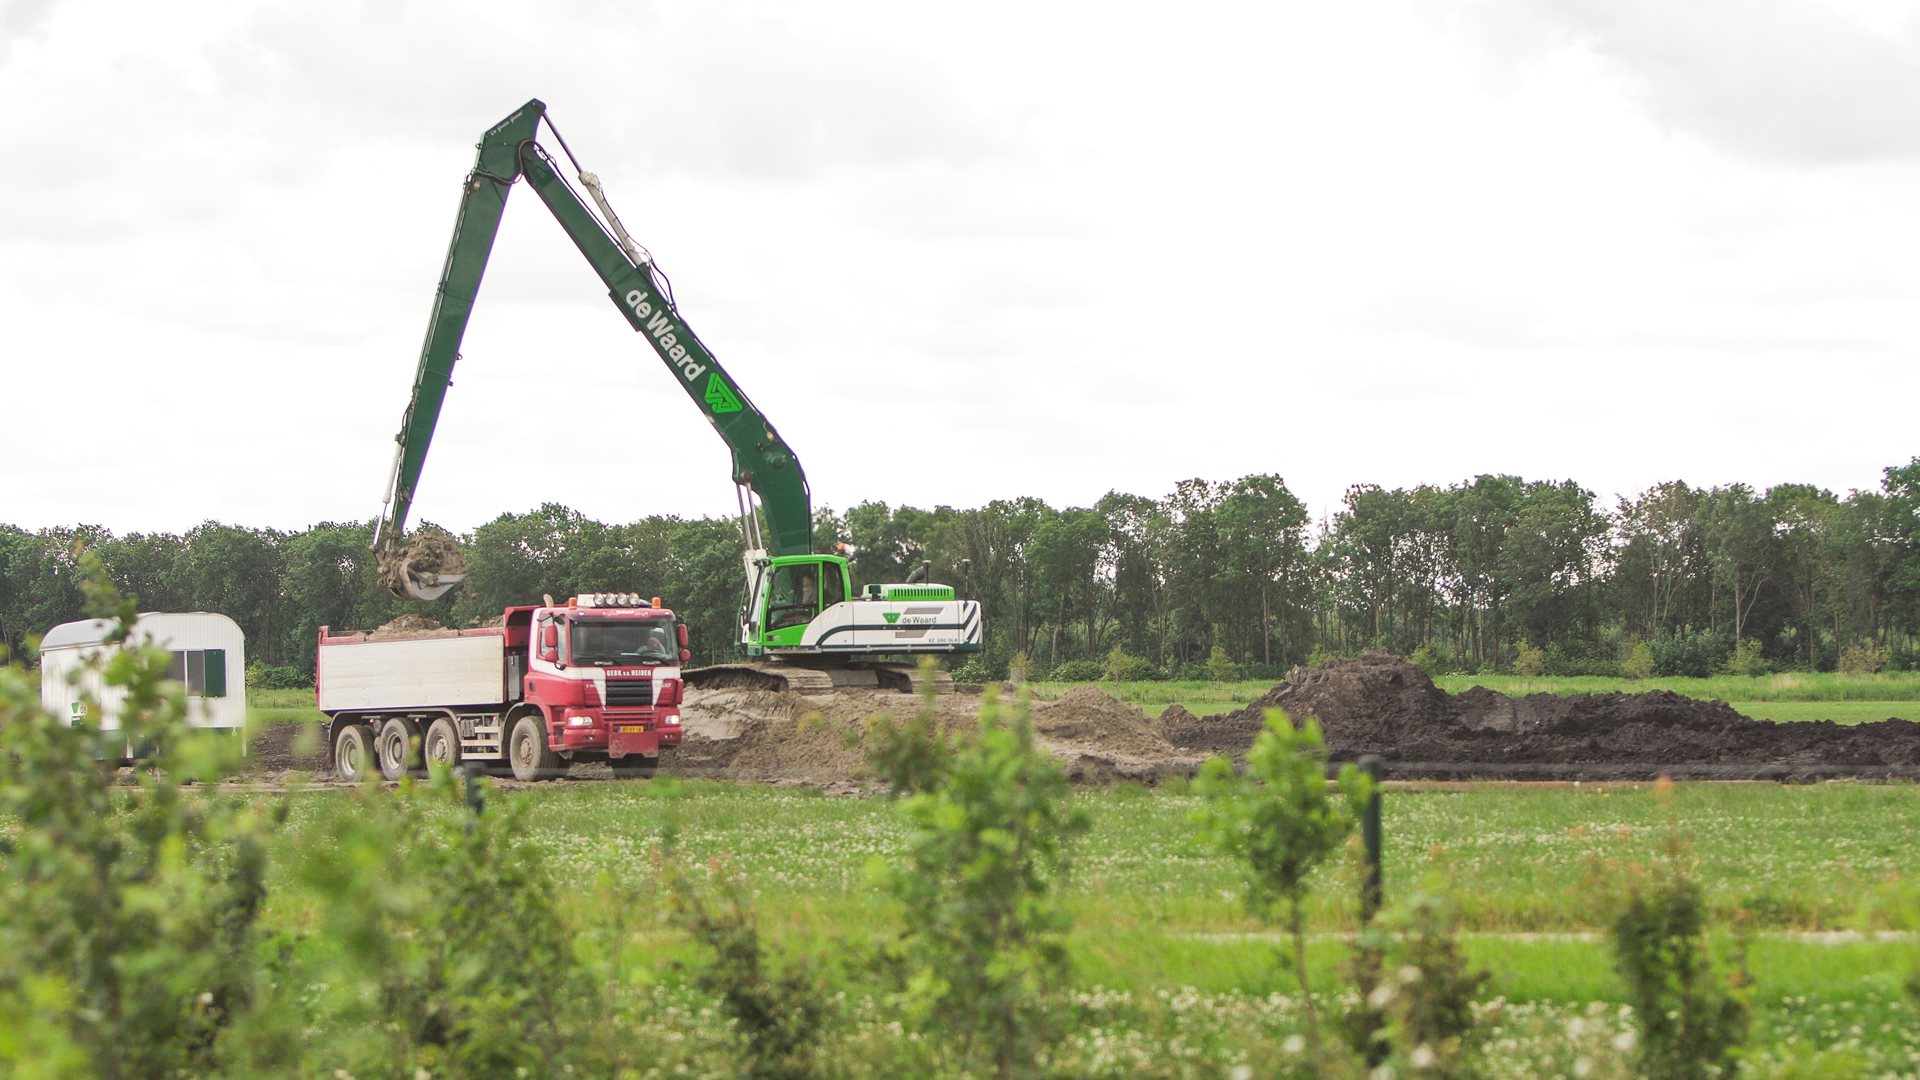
{"x":1380,"y":704}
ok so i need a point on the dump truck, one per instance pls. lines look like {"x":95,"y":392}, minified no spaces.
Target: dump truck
{"x":594,"y":679}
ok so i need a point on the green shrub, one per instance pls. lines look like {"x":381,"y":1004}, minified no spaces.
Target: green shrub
{"x":1220,"y":666}
{"x":1428,"y":660}
{"x":1020,"y":668}
{"x":982,"y":962}
{"x":1691,"y":1017}
{"x":1639,"y":662}
{"x":779,"y":1010}
{"x":1121,"y":667}
{"x":1428,"y":990}
{"x":974,"y":671}
{"x":1745,"y":659}
{"x":1863,"y":659}
{"x":264,"y":676}
{"x":131,"y":931}
{"x":1279,"y":821}
{"x":1077,"y":671}
{"x":1529,"y":661}
{"x":1691,"y":655}
{"x":445,"y":934}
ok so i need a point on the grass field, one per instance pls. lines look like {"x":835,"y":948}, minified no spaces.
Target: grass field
{"x":1164,"y":952}
{"x":280,"y":707}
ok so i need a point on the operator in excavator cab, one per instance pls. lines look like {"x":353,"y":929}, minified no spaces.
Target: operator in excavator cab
{"x":796,"y":598}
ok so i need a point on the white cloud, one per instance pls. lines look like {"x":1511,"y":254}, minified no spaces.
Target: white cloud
{"x":955,"y":257}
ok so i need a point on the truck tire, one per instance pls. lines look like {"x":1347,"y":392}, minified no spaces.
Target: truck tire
{"x":441,"y":746}
{"x":353,"y":759}
{"x":398,"y":747}
{"x":634,"y":767}
{"x":527,"y":750}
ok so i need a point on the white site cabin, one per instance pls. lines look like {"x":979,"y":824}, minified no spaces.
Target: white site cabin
{"x":209,"y":656}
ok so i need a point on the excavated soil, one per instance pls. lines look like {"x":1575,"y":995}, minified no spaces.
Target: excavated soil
{"x":738,"y":734}
{"x":406,"y":626}
{"x":1374,"y":704}
{"x":1380,"y":704}
{"x":429,"y":554}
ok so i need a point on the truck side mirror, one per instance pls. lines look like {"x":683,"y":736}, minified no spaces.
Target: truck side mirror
{"x":680,"y":631}
{"x":550,"y":642}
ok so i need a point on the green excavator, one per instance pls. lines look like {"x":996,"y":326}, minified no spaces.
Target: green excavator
{"x":802,"y":625}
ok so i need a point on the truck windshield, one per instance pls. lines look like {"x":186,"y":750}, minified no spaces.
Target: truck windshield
{"x":613,"y":643}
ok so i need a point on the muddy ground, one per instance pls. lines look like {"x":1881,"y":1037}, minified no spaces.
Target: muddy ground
{"x":740,"y":734}
{"x":1374,"y":704}
{"x":1380,"y":704}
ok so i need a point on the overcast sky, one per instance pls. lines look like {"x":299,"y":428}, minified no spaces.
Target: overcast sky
{"x":960,"y":253}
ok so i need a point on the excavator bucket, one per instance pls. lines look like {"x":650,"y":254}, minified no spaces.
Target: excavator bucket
{"x":423,"y":570}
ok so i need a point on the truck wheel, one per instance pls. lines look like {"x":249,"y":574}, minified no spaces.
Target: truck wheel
{"x":398,"y":747}
{"x":353,"y":752}
{"x":634,"y":767}
{"x":527,"y":750}
{"x":442,"y":744}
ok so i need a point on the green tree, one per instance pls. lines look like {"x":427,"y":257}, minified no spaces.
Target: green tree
{"x":1263,"y":532}
{"x":1741,"y":542}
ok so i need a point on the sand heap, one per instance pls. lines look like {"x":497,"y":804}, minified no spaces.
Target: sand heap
{"x":1380,"y":704}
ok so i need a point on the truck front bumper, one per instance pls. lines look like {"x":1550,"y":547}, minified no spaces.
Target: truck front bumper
{"x":644,"y":736}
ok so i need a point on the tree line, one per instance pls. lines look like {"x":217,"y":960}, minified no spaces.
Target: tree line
{"x":1477,"y":575}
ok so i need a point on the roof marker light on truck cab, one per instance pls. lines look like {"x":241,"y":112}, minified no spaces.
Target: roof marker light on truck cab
{"x":611,"y":600}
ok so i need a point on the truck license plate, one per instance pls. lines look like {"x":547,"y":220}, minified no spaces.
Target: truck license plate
{"x":630,"y":729}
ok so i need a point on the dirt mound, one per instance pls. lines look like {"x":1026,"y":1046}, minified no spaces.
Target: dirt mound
{"x":1380,"y":704}
{"x":1100,"y":738}
{"x":741,"y":734}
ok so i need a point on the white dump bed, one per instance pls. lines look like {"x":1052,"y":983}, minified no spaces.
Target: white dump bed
{"x":428,"y":672}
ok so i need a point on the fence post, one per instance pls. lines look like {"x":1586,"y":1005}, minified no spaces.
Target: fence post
{"x":1370,"y":894}
{"x":475,"y":792}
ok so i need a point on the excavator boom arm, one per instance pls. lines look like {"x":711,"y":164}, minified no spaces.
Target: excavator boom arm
{"x":762,"y":462}
{"x":483,"y":197}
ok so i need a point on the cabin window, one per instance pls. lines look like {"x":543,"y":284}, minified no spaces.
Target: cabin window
{"x":203,"y":670}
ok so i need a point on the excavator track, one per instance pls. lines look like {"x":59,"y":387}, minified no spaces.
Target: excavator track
{"x":818,"y":679}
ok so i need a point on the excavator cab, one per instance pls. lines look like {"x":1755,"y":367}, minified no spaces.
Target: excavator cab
{"x":794,"y":590}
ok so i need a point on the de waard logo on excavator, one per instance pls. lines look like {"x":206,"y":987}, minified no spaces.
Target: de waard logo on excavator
{"x":659,"y":326}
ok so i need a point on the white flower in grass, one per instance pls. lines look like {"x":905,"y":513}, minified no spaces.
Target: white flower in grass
{"x":1625,"y":1042}
{"x":1582,"y":1066}
{"x":1295,"y":1044}
{"x":1422,"y":1057}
